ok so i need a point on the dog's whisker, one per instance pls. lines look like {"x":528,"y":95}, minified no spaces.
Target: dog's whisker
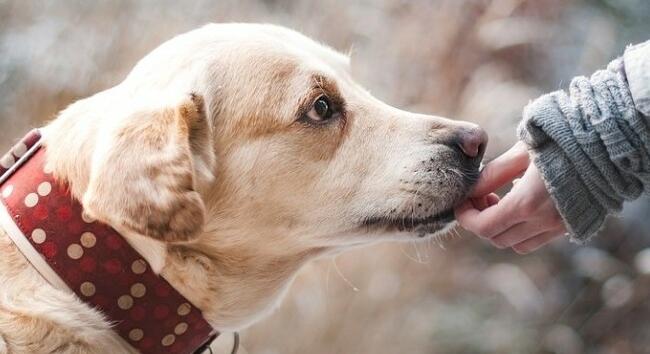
{"x":417,"y":251}
{"x":327,"y":278}
{"x":346,"y":280}
{"x":410,"y":257}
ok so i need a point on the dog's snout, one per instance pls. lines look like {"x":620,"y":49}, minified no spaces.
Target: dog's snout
{"x":472,"y":142}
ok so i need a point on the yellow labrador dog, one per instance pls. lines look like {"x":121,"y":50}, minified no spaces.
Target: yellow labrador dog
{"x":228,"y":158}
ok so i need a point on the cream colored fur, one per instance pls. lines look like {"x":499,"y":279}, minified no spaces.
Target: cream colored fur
{"x":200,"y":159}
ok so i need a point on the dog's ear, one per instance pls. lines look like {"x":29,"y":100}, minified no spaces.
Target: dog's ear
{"x":146,"y":175}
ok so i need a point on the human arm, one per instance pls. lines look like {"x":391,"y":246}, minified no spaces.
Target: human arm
{"x":590,"y":148}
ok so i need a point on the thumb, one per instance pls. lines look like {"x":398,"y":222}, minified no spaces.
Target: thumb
{"x":502,"y":170}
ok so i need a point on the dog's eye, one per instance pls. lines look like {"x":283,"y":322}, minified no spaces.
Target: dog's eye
{"x":322,"y":110}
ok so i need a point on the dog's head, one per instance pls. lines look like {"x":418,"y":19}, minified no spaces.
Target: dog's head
{"x":257,"y":135}
{"x":262,"y":129}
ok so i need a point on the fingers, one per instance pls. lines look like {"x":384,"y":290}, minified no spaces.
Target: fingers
{"x":502,"y":170}
{"x":517,"y":234}
{"x":484,"y":202}
{"x":485,"y":215}
{"x":490,"y":221}
{"x":536,"y":242}
{"x":492,"y":199}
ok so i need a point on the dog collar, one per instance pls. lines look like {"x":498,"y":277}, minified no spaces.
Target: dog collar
{"x":92,"y":259}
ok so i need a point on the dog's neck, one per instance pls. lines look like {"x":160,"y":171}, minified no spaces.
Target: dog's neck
{"x":234,"y":283}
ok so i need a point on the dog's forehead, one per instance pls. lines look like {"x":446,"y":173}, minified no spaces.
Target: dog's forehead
{"x":278,"y":41}
{"x":309,"y":49}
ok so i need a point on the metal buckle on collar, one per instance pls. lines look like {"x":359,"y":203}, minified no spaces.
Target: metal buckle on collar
{"x":206,"y":345}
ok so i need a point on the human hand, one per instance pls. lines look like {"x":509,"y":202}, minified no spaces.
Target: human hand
{"x":525,"y":219}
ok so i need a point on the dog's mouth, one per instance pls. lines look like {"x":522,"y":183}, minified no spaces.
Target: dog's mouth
{"x":421,"y":226}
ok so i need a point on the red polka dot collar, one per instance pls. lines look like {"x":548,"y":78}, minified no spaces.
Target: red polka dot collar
{"x":92,"y":259}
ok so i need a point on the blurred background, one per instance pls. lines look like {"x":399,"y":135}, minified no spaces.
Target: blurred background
{"x":477,"y":60}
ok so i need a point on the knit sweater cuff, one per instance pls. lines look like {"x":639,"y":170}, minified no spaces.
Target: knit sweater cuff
{"x":583,"y":216}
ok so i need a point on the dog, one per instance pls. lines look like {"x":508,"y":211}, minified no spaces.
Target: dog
{"x":229,"y":157}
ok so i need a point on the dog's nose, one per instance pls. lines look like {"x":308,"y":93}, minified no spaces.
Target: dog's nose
{"x":472,"y":142}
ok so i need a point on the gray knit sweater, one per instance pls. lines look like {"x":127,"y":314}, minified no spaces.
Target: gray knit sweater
{"x":592,"y":144}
